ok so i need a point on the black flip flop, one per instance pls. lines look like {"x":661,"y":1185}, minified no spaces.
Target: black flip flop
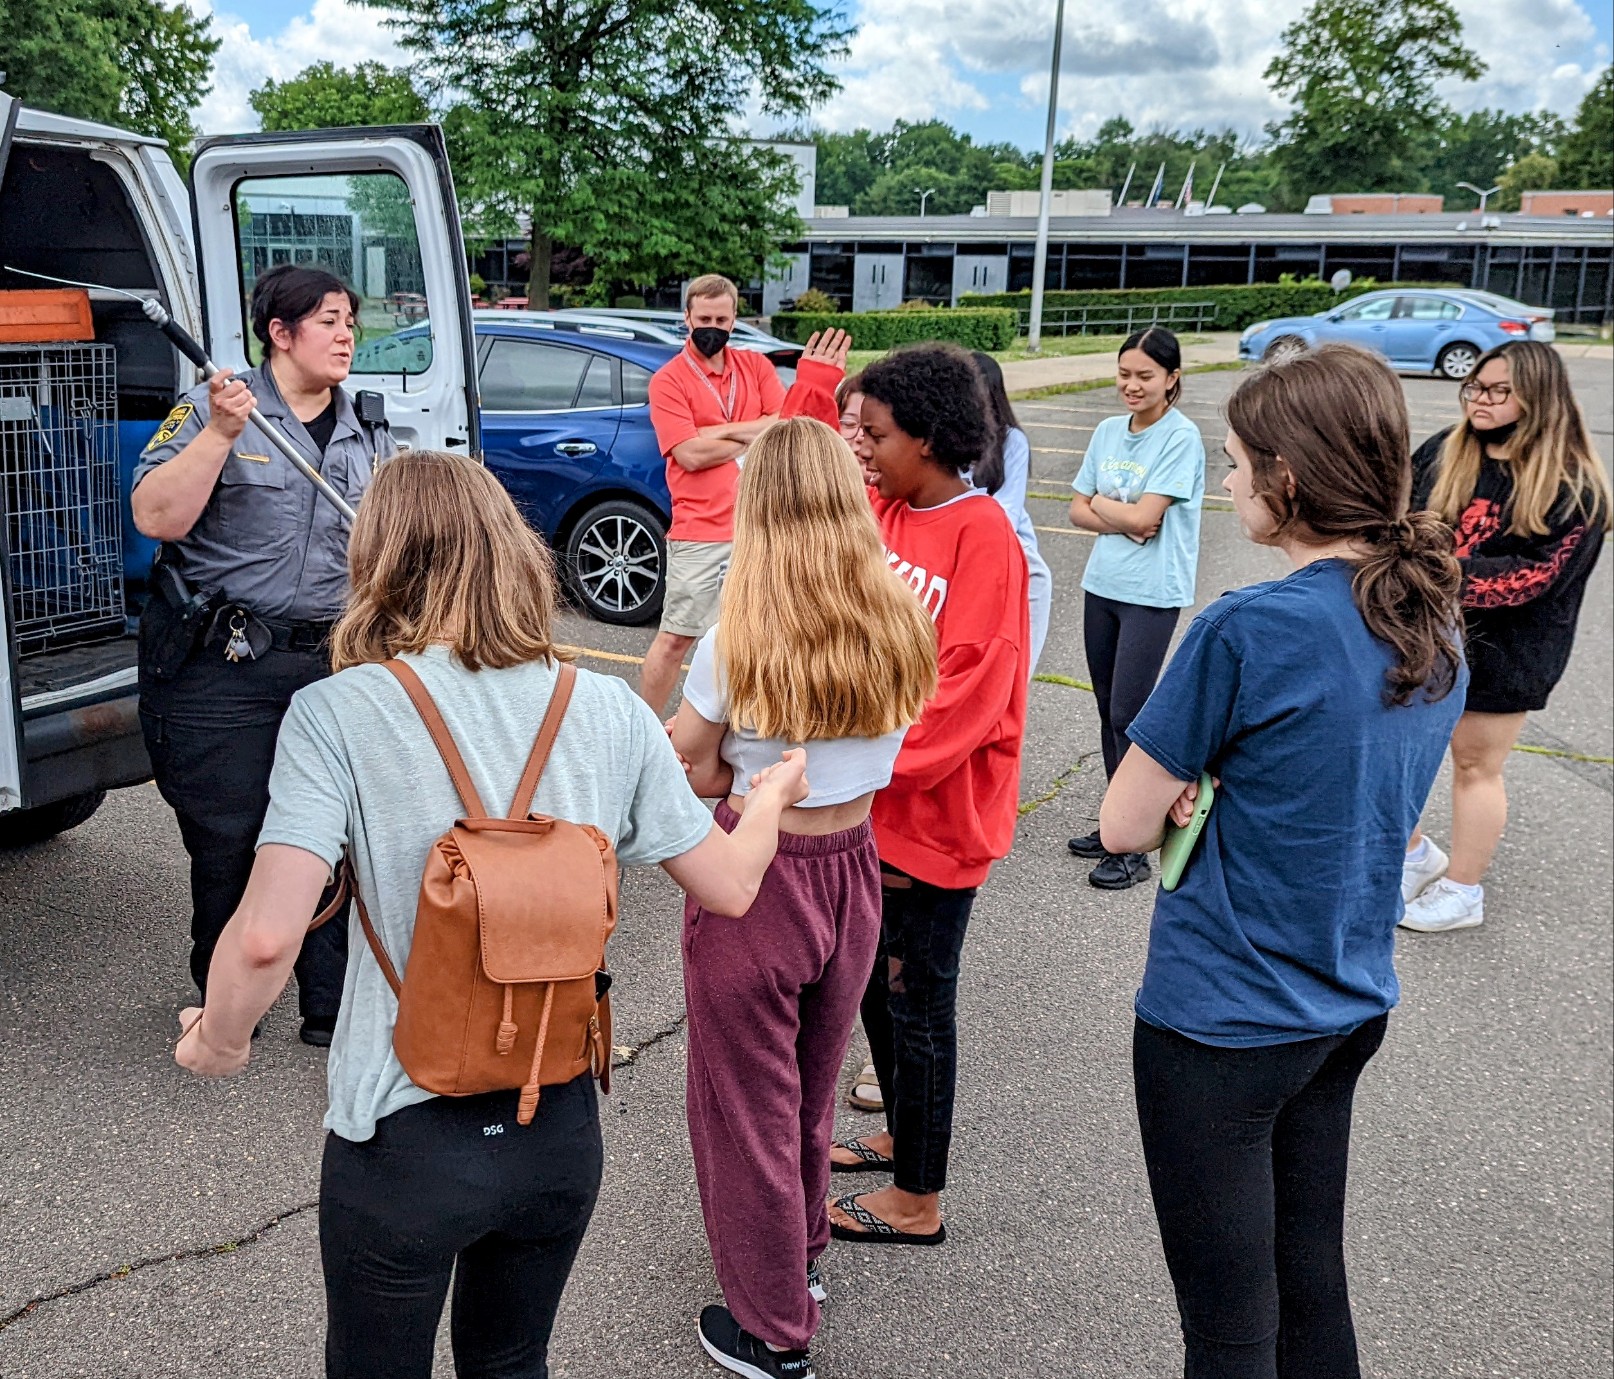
{"x":878,"y":1232}
{"x":870,"y":1160}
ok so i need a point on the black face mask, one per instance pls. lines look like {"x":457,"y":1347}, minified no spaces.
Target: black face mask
{"x":1499,"y":435}
{"x":708,"y":340}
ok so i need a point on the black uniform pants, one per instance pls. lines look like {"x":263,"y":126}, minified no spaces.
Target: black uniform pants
{"x":210,"y":731}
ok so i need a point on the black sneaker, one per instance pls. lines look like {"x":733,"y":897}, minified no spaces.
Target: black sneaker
{"x":739,"y":1352}
{"x":318,"y":1033}
{"x":1118,"y":871}
{"x":815,"y":1283}
{"x":1089,"y":846}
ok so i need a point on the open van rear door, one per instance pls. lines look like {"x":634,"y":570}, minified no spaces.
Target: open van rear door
{"x":376,"y":207}
{"x":10,"y":705}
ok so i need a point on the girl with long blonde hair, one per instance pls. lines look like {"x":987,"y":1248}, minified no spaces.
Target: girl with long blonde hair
{"x":816,"y":646}
{"x":1518,"y":480}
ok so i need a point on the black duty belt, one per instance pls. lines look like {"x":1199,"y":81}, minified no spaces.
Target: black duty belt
{"x":299,"y":636}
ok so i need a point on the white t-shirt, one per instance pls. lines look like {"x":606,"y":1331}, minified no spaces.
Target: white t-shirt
{"x":355,"y":768}
{"x":838,"y":769}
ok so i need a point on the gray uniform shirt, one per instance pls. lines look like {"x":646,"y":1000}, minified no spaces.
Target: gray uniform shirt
{"x":355,"y":769}
{"x":266,"y":539}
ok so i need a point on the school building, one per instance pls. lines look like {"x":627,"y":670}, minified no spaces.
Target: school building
{"x":871,"y":262}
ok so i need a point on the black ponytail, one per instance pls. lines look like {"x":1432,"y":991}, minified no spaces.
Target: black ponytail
{"x":1162,"y":346}
{"x":988,"y":471}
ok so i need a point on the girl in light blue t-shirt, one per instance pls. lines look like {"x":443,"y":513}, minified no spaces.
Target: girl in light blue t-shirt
{"x":1140,"y":489}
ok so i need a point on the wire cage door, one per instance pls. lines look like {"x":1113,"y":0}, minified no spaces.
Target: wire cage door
{"x":59,"y":474}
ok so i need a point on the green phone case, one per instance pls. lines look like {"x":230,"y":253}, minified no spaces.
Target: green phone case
{"x":1178,"y":846}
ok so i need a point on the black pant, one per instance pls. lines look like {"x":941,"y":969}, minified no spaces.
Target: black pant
{"x":1126,"y":645}
{"x":210,"y":731}
{"x":910,"y":1014}
{"x":1246,"y":1151}
{"x":455,"y":1185}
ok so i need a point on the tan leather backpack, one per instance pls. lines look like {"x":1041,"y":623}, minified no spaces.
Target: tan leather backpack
{"x":504,"y":987}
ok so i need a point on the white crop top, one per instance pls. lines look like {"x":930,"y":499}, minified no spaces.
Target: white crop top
{"x":838,"y":769}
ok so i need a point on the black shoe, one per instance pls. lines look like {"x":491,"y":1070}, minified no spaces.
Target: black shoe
{"x":1089,"y":847}
{"x":1118,"y":871}
{"x":739,"y":1352}
{"x":317,"y":1032}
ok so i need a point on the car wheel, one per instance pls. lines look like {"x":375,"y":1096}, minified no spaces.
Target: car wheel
{"x":1457,"y":361}
{"x":616,"y":562}
{"x":1284,"y":347}
{"x":21,"y":827}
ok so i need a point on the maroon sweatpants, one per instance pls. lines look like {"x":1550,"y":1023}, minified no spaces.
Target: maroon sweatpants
{"x":772,"y":997}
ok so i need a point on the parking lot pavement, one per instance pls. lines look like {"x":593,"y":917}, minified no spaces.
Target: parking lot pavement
{"x":168,"y":1223}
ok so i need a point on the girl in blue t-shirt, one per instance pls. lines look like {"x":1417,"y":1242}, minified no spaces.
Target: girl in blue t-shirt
{"x":1321,"y":705}
{"x":1140,"y":489}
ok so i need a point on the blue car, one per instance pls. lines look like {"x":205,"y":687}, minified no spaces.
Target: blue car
{"x":1417,"y":330}
{"x":566,"y":429}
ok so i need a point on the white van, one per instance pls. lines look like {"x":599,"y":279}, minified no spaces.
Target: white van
{"x":98,"y":205}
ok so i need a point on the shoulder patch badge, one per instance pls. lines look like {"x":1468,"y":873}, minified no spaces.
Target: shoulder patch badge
{"x":171,"y":424}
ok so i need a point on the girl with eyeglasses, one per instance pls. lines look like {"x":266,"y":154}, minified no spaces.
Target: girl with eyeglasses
{"x":1519,"y":481}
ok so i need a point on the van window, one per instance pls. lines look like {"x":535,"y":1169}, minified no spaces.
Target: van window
{"x":360,"y":227}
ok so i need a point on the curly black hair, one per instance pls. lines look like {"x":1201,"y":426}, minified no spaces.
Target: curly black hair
{"x":935,"y":394}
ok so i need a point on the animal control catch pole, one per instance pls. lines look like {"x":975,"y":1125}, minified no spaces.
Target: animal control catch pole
{"x":182,"y":341}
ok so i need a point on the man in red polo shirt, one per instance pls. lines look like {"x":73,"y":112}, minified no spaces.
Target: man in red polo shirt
{"x":707,"y":405}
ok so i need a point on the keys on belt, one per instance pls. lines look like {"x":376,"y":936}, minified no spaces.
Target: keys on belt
{"x":244,"y":636}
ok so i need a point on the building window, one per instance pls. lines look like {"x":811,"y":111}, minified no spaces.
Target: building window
{"x":1272,"y":261}
{"x":829,"y":270}
{"x":1154,"y":265}
{"x":1218,"y":264}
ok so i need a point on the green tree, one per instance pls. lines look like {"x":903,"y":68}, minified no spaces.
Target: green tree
{"x":325,"y":96}
{"x":848,"y":165}
{"x":605,"y":124}
{"x":1476,"y":148}
{"x":1361,"y":75}
{"x":1535,"y":172}
{"x":138,"y":64}
{"x":1586,"y":158}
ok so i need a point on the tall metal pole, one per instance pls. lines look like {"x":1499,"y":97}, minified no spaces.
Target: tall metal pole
{"x":1039,"y":269}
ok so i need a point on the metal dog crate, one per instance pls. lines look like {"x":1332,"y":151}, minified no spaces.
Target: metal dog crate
{"x":64,"y":513}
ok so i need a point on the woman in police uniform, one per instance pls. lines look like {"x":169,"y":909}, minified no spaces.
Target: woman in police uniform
{"x":252,"y":573}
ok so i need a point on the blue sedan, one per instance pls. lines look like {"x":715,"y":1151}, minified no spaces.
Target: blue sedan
{"x":566,"y":429}
{"x":1418,"y":331}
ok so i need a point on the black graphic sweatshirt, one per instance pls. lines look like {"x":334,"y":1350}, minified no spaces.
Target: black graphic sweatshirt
{"x":1521,"y":594}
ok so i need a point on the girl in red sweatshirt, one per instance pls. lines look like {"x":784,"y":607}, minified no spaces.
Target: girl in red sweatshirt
{"x":950,"y":809}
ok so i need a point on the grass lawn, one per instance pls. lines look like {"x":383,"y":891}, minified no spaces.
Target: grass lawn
{"x":1053,"y":346}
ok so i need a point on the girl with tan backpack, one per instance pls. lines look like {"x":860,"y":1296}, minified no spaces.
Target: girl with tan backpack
{"x":410,"y":760}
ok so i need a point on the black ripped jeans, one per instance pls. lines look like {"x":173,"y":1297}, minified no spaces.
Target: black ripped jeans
{"x":911,"y":1018}
{"x":1246,"y":1150}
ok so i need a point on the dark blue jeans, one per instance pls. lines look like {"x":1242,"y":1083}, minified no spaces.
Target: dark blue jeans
{"x":1246,"y":1150}
{"x":910,"y":1016}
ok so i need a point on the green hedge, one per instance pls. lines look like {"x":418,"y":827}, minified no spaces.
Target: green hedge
{"x":1236,"y":306}
{"x":977,"y":328}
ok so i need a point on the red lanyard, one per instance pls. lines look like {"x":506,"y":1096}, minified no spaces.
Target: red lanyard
{"x":727,"y":408}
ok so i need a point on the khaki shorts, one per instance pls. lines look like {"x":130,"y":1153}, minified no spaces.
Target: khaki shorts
{"x":695,"y":572}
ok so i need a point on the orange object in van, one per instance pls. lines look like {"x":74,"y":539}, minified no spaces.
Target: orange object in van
{"x":39,"y":315}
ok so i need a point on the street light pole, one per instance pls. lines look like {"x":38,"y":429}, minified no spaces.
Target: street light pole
{"x":1039,"y":268}
{"x":1484,"y":195}
{"x":925,"y":193}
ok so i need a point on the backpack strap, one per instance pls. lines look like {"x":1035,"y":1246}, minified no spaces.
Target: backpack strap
{"x":565,"y":678}
{"x":446,"y":749}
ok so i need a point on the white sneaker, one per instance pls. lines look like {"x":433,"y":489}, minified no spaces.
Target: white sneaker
{"x":1415,"y":876}
{"x":1443,"y":906}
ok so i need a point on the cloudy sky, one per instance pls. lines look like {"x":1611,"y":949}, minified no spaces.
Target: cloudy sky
{"x":982,"y":65}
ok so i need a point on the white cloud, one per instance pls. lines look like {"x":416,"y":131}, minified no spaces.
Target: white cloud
{"x":1181,"y":63}
{"x":331,"y":31}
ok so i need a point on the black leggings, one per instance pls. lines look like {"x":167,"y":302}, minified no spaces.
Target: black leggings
{"x":1246,"y":1150}
{"x":455,"y":1185}
{"x":1126,"y":645}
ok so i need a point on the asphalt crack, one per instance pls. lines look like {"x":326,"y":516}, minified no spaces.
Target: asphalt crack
{"x":124,"y":1271}
{"x":1057,"y":785}
{"x":625,"y":1055}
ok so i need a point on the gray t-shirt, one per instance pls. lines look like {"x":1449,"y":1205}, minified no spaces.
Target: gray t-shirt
{"x":355,"y":769}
